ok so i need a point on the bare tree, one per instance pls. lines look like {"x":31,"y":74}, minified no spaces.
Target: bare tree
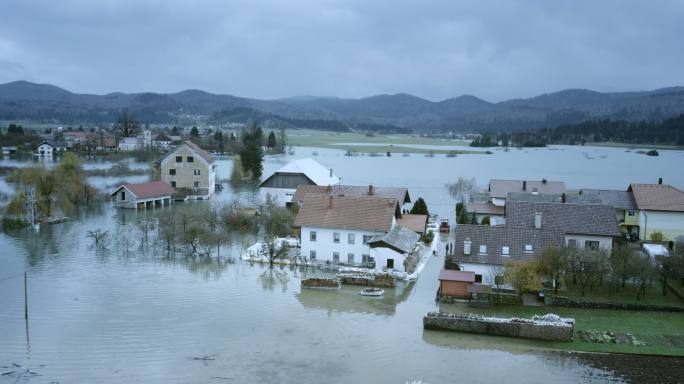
{"x":126,"y":125}
{"x":463,"y":189}
{"x":100,"y":238}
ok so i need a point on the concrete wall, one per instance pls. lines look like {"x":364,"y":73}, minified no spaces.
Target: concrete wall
{"x":185,"y":176}
{"x":605,"y":242}
{"x":381,"y":255}
{"x":671,"y":224}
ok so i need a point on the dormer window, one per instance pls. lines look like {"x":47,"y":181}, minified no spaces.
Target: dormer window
{"x":505,"y":251}
{"x":528,"y":248}
{"x":483,"y":249}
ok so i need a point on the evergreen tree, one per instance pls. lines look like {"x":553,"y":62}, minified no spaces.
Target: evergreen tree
{"x":271,"y":140}
{"x":419,"y":207}
{"x":194,"y":132}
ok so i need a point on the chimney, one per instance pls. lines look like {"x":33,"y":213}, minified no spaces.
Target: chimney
{"x":563,"y":197}
{"x":538,"y":220}
{"x":544,"y":181}
{"x":466,"y":246}
{"x":370,"y":190}
{"x":524,"y":185}
{"x":331,"y":175}
{"x":660,"y":180}
{"x":330,"y":203}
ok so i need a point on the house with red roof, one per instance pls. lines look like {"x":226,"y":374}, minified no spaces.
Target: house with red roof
{"x":152,"y":194}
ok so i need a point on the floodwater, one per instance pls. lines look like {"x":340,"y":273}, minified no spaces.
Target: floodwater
{"x":113,"y":316}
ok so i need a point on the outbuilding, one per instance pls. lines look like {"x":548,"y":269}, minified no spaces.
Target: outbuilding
{"x":456,"y":283}
{"x":143,"y":195}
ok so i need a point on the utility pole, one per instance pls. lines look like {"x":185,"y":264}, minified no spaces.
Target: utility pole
{"x":25,"y":298}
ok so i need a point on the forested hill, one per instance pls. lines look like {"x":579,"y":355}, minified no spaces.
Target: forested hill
{"x":667,"y":132}
{"x":22,"y":100}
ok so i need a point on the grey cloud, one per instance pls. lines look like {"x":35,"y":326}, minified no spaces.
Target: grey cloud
{"x":272,"y":48}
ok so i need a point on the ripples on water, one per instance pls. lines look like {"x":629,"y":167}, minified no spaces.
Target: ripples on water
{"x":103,"y":317}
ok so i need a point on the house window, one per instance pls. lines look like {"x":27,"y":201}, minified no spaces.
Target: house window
{"x":505,"y":251}
{"x":336,"y":237}
{"x":365,"y":259}
{"x":572,"y":243}
{"x":351,"y":238}
{"x":173,"y":184}
{"x":631,"y":213}
{"x":478,"y":278}
{"x":483,"y":249}
{"x":196,"y":172}
{"x":179,"y":159}
{"x":196,"y":184}
{"x":366,"y":238}
{"x":528,"y":248}
{"x":190,"y":159}
{"x":312,"y":236}
{"x":336,"y":257}
{"x":390,"y":263}
{"x":312,"y":255}
{"x":172,"y":171}
{"x":123,"y":195}
{"x":591,"y":245}
{"x":350,"y":258}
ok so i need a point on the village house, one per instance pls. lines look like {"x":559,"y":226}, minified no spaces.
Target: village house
{"x":75,"y":139}
{"x":339,"y":230}
{"x":660,"y":209}
{"x":50,"y":148}
{"x":498,"y":191}
{"x":399,"y":194}
{"x":456,"y":284}
{"x":161,"y":141}
{"x":622,"y":202}
{"x":127,"y":144}
{"x":583,"y":225}
{"x":148,"y":195}
{"x":280,"y":186}
{"x":190,"y":169}
{"x":483,"y":249}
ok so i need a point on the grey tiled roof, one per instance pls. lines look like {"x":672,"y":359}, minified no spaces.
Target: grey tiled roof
{"x":497,"y":237}
{"x":614,"y":198}
{"x":570,"y":218}
{"x":398,"y":238}
{"x":400,"y":194}
{"x":499,"y":188}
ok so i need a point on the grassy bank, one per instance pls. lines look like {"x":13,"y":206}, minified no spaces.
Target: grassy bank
{"x":608,"y":293}
{"x":378,"y":143}
{"x":662,"y":333}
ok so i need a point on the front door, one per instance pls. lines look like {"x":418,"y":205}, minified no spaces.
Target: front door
{"x":390,"y":263}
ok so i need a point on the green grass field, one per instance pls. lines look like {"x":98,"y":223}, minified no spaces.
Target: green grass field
{"x":661,"y":332}
{"x":379,"y":143}
{"x":607,"y":293}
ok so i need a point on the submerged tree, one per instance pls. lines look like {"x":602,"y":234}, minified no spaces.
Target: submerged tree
{"x":127,"y":125}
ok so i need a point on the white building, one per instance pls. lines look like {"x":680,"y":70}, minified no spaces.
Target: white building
{"x":49,"y":148}
{"x":130,"y":144}
{"x":153,"y":194}
{"x":484,"y":249}
{"x":341,"y":229}
{"x":660,"y":209}
{"x":281,"y":185}
{"x":189,"y":169}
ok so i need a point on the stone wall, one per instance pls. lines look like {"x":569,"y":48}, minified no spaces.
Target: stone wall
{"x":562,"y":301}
{"x":556,"y":330}
{"x":383,"y":280}
{"x":320,"y":283}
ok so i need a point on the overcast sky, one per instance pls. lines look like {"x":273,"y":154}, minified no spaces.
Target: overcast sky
{"x":279,"y":48}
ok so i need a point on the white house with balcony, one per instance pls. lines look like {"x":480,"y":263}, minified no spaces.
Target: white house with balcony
{"x":353,"y":231}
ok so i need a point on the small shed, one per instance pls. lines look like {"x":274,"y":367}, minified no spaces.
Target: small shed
{"x":456,"y":283}
{"x":143,"y":195}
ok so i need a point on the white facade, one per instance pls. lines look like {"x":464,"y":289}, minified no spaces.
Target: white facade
{"x":670,"y":224}
{"x":278,"y":196}
{"x":130,"y":144}
{"x":323,"y":244}
{"x":185,"y":168}
{"x":45,"y":149}
{"x":498,"y":202}
{"x":387,"y":259}
{"x":586,"y":241}
{"x":487,"y":272}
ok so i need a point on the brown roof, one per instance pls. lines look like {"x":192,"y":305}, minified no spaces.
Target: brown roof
{"x":401,"y":194}
{"x":658,"y":197}
{"x":485,"y":209}
{"x":499,"y":188}
{"x":346,"y":212}
{"x":451,"y":275}
{"x":414,"y":222}
{"x":199,"y":151}
{"x":150,"y":189}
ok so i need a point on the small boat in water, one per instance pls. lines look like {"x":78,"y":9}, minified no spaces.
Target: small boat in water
{"x":372,"y":292}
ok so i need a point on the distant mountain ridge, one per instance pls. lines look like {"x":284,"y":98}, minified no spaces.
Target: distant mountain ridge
{"x":23,"y":100}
